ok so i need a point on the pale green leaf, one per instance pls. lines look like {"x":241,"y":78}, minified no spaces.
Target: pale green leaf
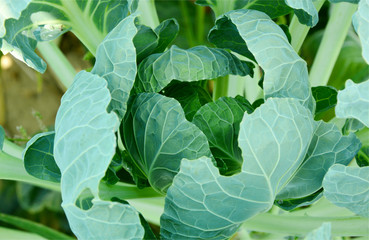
{"x":12,"y":234}
{"x":348,"y":187}
{"x":43,"y":20}
{"x":274,"y":140}
{"x":360,"y":20}
{"x":194,"y":64}
{"x":353,"y":102}
{"x":38,"y":157}
{"x":286,"y":73}
{"x":158,"y":136}
{"x":10,"y":9}
{"x":116,"y":63}
{"x":327,"y":147}
{"x":305,"y":11}
{"x":85,"y":144}
{"x":324,"y":232}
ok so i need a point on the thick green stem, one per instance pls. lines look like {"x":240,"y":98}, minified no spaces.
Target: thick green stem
{"x":299,"y":31}
{"x":220,"y":87}
{"x":187,"y":23}
{"x":333,"y":39}
{"x":148,"y":15}
{"x":60,"y":65}
{"x":200,"y":19}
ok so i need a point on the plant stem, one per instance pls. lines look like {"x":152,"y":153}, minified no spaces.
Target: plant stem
{"x":148,"y":16}
{"x":200,"y":18}
{"x":60,"y":65}
{"x":299,"y":31}
{"x":333,"y":39}
{"x":187,"y":23}
{"x":220,"y":87}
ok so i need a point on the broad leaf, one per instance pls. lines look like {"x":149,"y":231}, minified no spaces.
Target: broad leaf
{"x":38,"y":157}
{"x":362,"y":157}
{"x":190,"y":96}
{"x":327,"y":147}
{"x":220,"y":122}
{"x":360,"y":21}
{"x":321,"y":233}
{"x":158,"y":136}
{"x":285,"y":72}
{"x":167,"y":32}
{"x":194,"y":64}
{"x":145,"y":41}
{"x":325,"y":98}
{"x":353,"y":102}
{"x":45,"y":20}
{"x":274,"y":140}
{"x":10,"y":9}
{"x":116,"y":63}
{"x":348,"y":187}
{"x":84,"y":146}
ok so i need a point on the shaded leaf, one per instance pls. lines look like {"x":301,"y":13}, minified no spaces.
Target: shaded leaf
{"x":362,"y":157}
{"x":325,"y":98}
{"x":167,"y":32}
{"x":290,"y":204}
{"x":145,"y":41}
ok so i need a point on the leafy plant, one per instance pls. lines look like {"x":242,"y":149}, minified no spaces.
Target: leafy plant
{"x":142,"y":136}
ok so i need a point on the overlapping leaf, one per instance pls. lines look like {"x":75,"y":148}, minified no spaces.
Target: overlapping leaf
{"x":353,"y":102}
{"x":45,"y":20}
{"x":158,"y":136}
{"x":84,"y":146}
{"x":274,"y":140}
{"x":285,"y":72}
{"x":348,"y":187}
{"x":38,"y":157}
{"x":116,"y":63}
{"x":220,"y":122}
{"x":197,"y":63}
{"x":325,"y":98}
{"x":10,"y":9}
{"x":167,"y":32}
{"x":327,"y":147}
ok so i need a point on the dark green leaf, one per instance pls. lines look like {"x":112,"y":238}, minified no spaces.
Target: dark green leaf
{"x":167,"y":32}
{"x":199,"y":63}
{"x":130,"y":166}
{"x":145,"y":41}
{"x":257,"y":103}
{"x":38,"y":157}
{"x":220,"y":122}
{"x":352,"y":125}
{"x":362,"y":157}
{"x":190,"y":96}
{"x":290,"y":204}
{"x":286,"y":31}
{"x":158,"y":136}
{"x":325,"y":98}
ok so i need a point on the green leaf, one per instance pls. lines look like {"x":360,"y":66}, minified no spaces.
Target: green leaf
{"x":327,"y":147}
{"x":33,"y":227}
{"x":349,"y":1}
{"x":85,"y":144}
{"x":360,"y":21}
{"x":194,"y":64}
{"x":167,"y":32}
{"x":325,"y":98}
{"x":137,"y":175}
{"x":116,"y":63}
{"x":89,"y":20}
{"x":353,"y":102}
{"x":2,"y":137}
{"x":190,"y":96}
{"x":13,"y":9}
{"x":158,"y":136}
{"x":352,"y":126}
{"x":305,"y":11}
{"x":274,"y":140}
{"x":286,"y":74}
{"x":38,"y":157}
{"x":145,"y":41}
{"x":362,"y":157}
{"x":348,"y":187}
{"x":324,"y":232}
{"x":290,"y":204}
{"x":220,"y":122}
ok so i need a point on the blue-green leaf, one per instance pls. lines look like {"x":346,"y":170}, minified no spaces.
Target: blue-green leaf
{"x":194,"y":64}
{"x":348,"y":187}
{"x":353,"y":102}
{"x":324,"y":232}
{"x":45,"y":20}
{"x":85,"y":144}
{"x":2,"y":137}
{"x":349,"y":1}
{"x":167,"y":32}
{"x":38,"y":157}
{"x":116,"y":63}
{"x":274,"y":140}
{"x":158,"y":136}
{"x":305,"y":11}
{"x":10,"y":9}
{"x":360,"y":21}
{"x":286,"y":74}
{"x":327,"y":147}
